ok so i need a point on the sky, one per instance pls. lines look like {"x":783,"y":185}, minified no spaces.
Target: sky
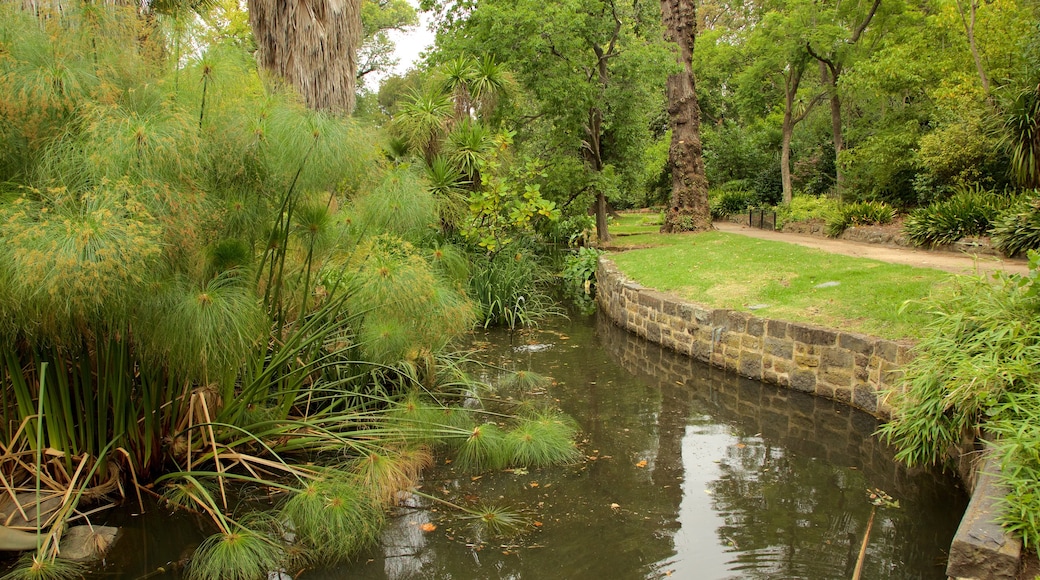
{"x":412,"y":42}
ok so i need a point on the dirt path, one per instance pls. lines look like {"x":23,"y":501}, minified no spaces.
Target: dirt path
{"x":947,"y":261}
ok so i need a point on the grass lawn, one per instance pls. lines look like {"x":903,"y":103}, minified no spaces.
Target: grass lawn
{"x":779,"y":280}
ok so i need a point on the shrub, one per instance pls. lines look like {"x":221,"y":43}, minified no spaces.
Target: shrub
{"x":970,"y":212}
{"x":1018,"y":229}
{"x":579,"y":277}
{"x":861,"y":213}
{"x":804,"y":208}
{"x":976,"y":370}
{"x":725,"y":202}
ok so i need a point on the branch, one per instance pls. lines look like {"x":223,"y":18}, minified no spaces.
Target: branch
{"x":833,"y":66}
{"x":866,"y":21}
{"x":575,"y":196}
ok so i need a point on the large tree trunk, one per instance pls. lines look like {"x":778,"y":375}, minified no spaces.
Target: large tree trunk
{"x":312,"y":45}
{"x":689,"y":207}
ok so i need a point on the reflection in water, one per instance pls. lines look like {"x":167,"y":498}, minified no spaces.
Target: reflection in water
{"x":740,"y":480}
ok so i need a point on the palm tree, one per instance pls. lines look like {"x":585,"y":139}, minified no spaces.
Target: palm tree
{"x":313,"y":49}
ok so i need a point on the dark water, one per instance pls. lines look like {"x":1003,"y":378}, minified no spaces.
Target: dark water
{"x":741,"y":480}
{"x":692,"y":473}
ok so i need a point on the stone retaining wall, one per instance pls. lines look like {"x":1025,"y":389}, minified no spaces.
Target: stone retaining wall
{"x":844,"y":366}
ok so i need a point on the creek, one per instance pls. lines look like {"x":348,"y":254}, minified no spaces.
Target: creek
{"x":690,"y":472}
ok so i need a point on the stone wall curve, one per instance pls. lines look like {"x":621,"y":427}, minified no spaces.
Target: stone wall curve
{"x":855,"y":369}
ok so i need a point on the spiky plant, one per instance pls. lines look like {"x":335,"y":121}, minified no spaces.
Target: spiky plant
{"x":333,"y":518}
{"x":524,"y":381}
{"x":400,"y":205}
{"x":495,"y":521}
{"x":423,"y":120}
{"x":386,"y":471}
{"x":1022,"y":135}
{"x":483,"y":449}
{"x":467,"y":148}
{"x":240,"y":554}
{"x":543,"y":439}
{"x":33,"y":567}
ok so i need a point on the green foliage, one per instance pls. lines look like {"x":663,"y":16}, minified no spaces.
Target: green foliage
{"x":399,"y":205}
{"x":975,"y":370}
{"x":961,"y":151}
{"x":574,"y":230}
{"x":805,"y":208}
{"x":861,"y":213}
{"x":508,"y":205}
{"x":882,"y":166}
{"x":579,"y":277}
{"x":484,"y":449}
{"x":725,"y":202}
{"x":969,"y":212}
{"x":1022,"y":135}
{"x":1017,"y":230}
{"x":743,"y":153}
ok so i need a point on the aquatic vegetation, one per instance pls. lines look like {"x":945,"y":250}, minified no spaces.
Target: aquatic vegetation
{"x":483,"y":449}
{"x":542,"y":439}
{"x":242,"y":554}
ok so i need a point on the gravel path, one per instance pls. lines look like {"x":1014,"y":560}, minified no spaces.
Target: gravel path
{"x":958,"y":263}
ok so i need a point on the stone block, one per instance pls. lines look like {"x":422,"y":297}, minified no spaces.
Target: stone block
{"x":806,"y":361}
{"x":778,"y":347}
{"x":981,"y":548}
{"x":813,"y":335}
{"x":756,"y":326}
{"x":836,"y":357}
{"x":670,"y":305}
{"x":649,"y":301}
{"x":750,"y":365}
{"x":776,"y":328}
{"x":887,"y":350}
{"x":752,"y":343}
{"x":737,"y":321}
{"x":836,"y":377}
{"x":857,"y":343}
{"x":865,"y":398}
{"x":802,"y":380}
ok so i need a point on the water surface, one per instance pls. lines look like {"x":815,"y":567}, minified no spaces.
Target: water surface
{"x":690,"y":473}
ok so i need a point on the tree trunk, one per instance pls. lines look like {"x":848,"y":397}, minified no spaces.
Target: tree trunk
{"x":785,"y":157}
{"x":839,"y":138}
{"x":689,"y":207}
{"x":594,"y":157}
{"x":969,"y":30}
{"x":312,"y":45}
